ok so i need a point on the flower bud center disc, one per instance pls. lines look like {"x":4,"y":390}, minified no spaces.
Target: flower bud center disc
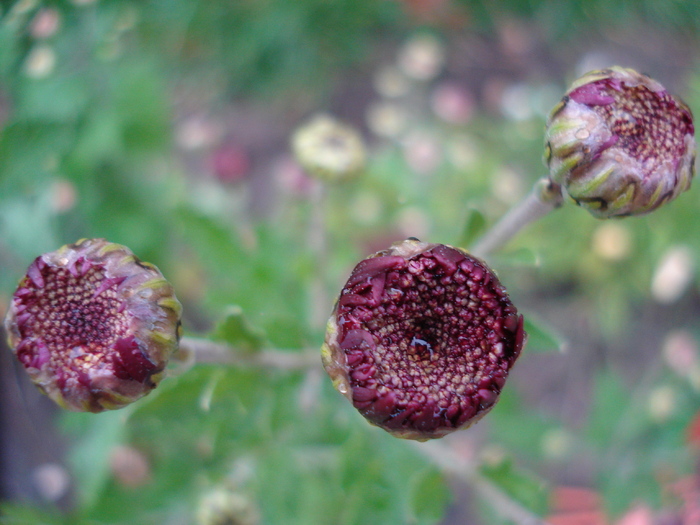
{"x":429,"y":340}
{"x":73,"y":315}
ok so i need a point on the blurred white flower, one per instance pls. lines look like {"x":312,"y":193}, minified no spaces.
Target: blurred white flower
{"x":507,"y":185}
{"x":557,"y":444}
{"x":516,"y":103}
{"x":366,"y":208}
{"x":422,"y":152}
{"x":680,"y":351}
{"x":673,"y":275}
{"x":386,"y":119}
{"x":329,"y":149}
{"x":422,"y":57}
{"x":462,"y":152}
{"x":452,"y":103}
{"x":390,"y":82}
{"x":197,"y":132}
{"x":612,"y":241}
{"x":45,"y":23}
{"x":51,"y":481}
{"x":40,"y":61}
{"x":662,"y":402}
{"x":413,"y":222}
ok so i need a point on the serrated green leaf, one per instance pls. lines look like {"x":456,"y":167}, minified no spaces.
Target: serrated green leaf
{"x":540,"y":337}
{"x":236,"y":330}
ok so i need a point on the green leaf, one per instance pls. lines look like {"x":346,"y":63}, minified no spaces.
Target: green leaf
{"x":22,"y":515}
{"x":429,"y":496}
{"x":609,"y":410}
{"x":236,"y":330}
{"x":540,"y":337}
{"x":520,"y":258}
{"x":521,"y":486}
{"x":99,"y":434}
{"x":474,"y":226}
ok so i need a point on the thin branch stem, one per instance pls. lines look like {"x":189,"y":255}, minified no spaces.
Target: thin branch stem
{"x":544,"y":197}
{"x":199,"y":350}
{"x":464,"y":470}
{"x":205,"y":351}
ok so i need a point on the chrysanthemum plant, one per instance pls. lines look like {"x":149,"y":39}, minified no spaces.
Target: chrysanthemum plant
{"x":422,"y":336}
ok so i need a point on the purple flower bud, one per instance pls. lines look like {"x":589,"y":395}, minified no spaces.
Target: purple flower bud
{"x":93,"y":325}
{"x":422,"y":339}
{"x":620,"y":144}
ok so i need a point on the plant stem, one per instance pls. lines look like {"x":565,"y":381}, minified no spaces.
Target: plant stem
{"x":450,"y":463}
{"x":544,"y":197}
{"x":205,"y":351}
{"x":200,"y":350}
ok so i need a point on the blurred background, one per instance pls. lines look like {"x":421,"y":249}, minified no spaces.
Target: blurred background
{"x":165,"y":126}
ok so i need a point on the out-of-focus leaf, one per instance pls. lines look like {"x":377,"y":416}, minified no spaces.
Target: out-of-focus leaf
{"x":13,"y":514}
{"x":96,"y":437}
{"x":523,"y":487}
{"x":540,"y":337}
{"x":236,"y":330}
{"x":511,"y":413}
{"x":429,"y":496}
{"x":521,"y":258}
{"x":474,"y":226}
{"x":52,"y":99}
{"x":609,"y":410}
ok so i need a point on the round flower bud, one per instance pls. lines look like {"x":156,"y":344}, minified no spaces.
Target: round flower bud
{"x":93,"y":325}
{"x":619,"y":144}
{"x":421,"y":339}
{"x":329,"y":149}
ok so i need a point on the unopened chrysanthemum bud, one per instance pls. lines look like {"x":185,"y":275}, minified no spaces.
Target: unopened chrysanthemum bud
{"x":329,"y":149}
{"x":421,"y":339}
{"x":619,"y":144}
{"x":93,"y":325}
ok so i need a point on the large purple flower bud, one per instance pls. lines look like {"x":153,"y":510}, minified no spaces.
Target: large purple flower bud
{"x":422,"y":339}
{"x":93,"y":325}
{"x":620,"y":144}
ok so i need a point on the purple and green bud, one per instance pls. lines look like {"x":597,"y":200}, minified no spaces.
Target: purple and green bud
{"x":422,"y":339}
{"x":93,"y":325}
{"x":620,"y":144}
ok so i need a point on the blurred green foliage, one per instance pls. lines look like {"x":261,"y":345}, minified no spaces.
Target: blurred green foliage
{"x":89,"y":117}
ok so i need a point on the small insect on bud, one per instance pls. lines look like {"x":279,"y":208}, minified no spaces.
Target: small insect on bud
{"x":93,"y":325}
{"x":619,"y":144}
{"x":329,"y":149}
{"x":422,"y":339}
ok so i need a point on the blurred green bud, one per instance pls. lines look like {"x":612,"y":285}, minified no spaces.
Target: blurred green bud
{"x":93,"y":326}
{"x":619,"y":144}
{"x":329,"y":149}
